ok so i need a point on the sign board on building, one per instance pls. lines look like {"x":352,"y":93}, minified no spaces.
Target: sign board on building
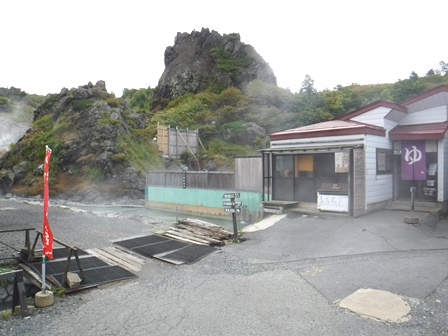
{"x":337,"y":203}
{"x":341,"y":162}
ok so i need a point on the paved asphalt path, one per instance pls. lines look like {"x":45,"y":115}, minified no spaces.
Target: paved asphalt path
{"x":284,"y":280}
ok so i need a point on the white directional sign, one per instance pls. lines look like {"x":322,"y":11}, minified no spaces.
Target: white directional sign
{"x":231,"y":195}
{"x":229,"y":203}
{"x":232,"y":210}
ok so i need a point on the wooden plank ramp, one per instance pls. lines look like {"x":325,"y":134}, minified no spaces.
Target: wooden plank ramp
{"x":35,"y":278}
{"x":198,"y":232}
{"x":118,"y":257}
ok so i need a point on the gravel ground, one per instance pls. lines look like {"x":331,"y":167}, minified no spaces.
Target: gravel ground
{"x":226,"y":293}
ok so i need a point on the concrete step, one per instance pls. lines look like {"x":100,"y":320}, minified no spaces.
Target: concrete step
{"x":278,"y":207}
{"x":428,"y":207}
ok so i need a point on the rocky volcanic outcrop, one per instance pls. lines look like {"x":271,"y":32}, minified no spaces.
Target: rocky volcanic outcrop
{"x":91,"y":133}
{"x":101,"y":147}
{"x":207,"y":59}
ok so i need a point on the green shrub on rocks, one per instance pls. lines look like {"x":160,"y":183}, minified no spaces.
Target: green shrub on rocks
{"x":113,"y":102}
{"x":119,"y":157}
{"x":6,"y":313}
{"x":82,"y":104}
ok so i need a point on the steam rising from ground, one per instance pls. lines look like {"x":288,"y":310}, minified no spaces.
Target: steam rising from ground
{"x":12,"y":126}
{"x":10,"y":131}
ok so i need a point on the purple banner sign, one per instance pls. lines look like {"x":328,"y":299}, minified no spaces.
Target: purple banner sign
{"x":413,"y":160}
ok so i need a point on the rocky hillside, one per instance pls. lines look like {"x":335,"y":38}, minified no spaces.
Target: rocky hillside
{"x":102,"y":145}
{"x":205,"y":59}
{"x":100,"y":148}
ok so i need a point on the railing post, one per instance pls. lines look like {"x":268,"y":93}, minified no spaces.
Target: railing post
{"x":18,"y":295}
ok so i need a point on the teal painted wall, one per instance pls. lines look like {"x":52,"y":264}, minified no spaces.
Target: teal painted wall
{"x":201,"y":197}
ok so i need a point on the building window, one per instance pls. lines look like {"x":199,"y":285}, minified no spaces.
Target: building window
{"x":383,"y":161}
{"x":284,"y":166}
{"x":304,"y":165}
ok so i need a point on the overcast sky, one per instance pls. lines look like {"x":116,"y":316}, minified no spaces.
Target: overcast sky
{"x":50,"y":44}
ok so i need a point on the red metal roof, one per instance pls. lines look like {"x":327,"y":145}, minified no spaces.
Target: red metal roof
{"x":329,"y":128}
{"x":435,"y":131}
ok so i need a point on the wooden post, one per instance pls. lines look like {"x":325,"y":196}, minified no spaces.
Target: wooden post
{"x":235,"y":227}
{"x":81,"y":271}
{"x":234,"y":210}
{"x":67,"y":266}
{"x":18,"y":296}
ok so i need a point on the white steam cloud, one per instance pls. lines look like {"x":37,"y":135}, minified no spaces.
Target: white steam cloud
{"x":11,"y":129}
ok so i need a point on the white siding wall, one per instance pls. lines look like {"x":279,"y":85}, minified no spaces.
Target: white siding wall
{"x":373,"y":117}
{"x":433,"y":115}
{"x":378,"y":187}
{"x":442,"y":182}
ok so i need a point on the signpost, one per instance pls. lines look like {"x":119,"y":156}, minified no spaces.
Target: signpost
{"x":232,"y":204}
{"x":231,"y":195}
{"x":232,"y":210}
{"x":235,"y":207}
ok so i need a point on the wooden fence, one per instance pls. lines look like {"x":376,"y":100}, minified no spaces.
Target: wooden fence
{"x":191,"y":179}
{"x":173,"y":141}
{"x":248,"y":174}
{"x":247,"y":177}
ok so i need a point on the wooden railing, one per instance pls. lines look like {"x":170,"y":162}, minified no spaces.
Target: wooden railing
{"x":18,"y":296}
{"x":191,"y":179}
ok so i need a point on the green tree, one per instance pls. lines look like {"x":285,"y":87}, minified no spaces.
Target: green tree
{"x":270,"y":106}
{"x":182,"y":115}
{"x":311,"y":107}
{"x":139,"y":100}
{"x":308,"y":86}
{"x":230,"y":105}
{"x":404,"y":89}
{"x":443,"y":68}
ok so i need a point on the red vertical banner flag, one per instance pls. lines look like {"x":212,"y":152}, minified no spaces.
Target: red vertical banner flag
{"x":47,"y":235}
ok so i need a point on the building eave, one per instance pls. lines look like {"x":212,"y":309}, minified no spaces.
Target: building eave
{"x":434,"y":131}
{"x":329,"y":133}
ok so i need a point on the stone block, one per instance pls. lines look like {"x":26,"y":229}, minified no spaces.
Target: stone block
{"x":73,"y":280}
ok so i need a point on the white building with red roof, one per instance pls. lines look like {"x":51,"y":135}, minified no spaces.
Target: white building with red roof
{"x":366,"y":159}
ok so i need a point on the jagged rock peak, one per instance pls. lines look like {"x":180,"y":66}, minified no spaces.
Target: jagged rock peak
{"x":205,"y":59}
{"x":87,"y":91}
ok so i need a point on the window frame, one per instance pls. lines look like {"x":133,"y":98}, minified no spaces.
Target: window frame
{"x":388,"y":161}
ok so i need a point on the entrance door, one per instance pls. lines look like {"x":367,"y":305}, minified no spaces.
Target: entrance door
{"x":304,"y":182}
{"x":283,"y":181}
{"x":426,"y":190}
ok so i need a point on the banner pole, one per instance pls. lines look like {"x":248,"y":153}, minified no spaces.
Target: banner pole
{"x":47,"y":236}
{"x":43,"y":274}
